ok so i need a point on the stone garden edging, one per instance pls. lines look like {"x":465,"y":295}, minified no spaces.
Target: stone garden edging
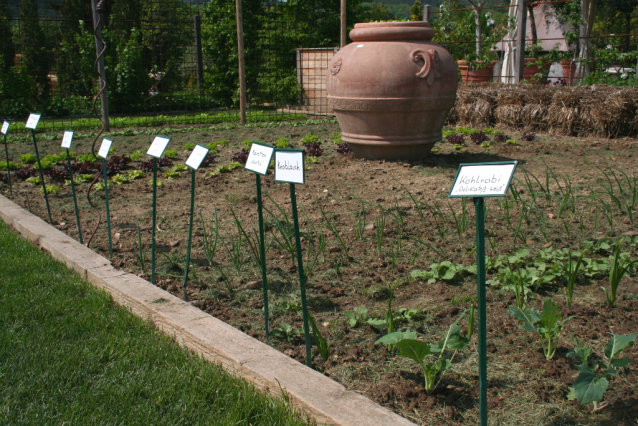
{"x":323,"y":399}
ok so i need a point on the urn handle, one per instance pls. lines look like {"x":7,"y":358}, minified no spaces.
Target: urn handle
{"x":430,"y":68}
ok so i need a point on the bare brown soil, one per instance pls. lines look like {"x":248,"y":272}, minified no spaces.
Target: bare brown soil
{"x":524,"y":387}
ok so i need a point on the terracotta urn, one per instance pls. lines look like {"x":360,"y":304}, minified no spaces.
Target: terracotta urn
{"x":392,"y":89}
{"x":474,"y":74}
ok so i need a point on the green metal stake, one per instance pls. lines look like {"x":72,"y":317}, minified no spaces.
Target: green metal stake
{"x":302,"y":278}
{"x":482,"y":311}
{"x":190,"y":234}
{"x":75,"y":201}
{"x":262,"y":254}
{"x":6,"y":153}
{"x":44,"y":188}
{"x":108,"y":215}
{"x":154,"y":217}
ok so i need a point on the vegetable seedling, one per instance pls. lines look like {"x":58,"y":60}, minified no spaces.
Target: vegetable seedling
{"x":590,"y":387}
{"x":410,"y":347}
{"x":547,"y":325}
{"x":619,"y":266}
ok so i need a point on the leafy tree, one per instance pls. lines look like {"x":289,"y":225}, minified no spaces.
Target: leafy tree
{"x":219,"y":43}
{"x":618,"y":17}
{"x":75,"y":58}
{"x":416,"y":11}
{"x":376,"y":12}
{"x":273,"y":30}
{"x":127,"y":76}
{"x":7,"y":51}
{"x":457,"y":30}
{"x":36,"y":56}
{"x":75,"y":53}
{"x":166,"y":27}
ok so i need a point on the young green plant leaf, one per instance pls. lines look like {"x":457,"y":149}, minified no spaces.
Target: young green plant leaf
{"x":617,"y":344}
{"x":397,"y":336}
{"x":547,"y":325}
{"x":589,"y":388}
{"x":322,"y":345}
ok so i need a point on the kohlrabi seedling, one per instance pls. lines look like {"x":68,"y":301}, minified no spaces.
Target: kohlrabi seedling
{"x":547,"y":325}
{"x":591,"y":385}
{"x":409,"y":346}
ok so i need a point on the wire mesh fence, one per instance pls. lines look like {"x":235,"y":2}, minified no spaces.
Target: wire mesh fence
{"x":179,"y":57}
{"x":162,"y":57}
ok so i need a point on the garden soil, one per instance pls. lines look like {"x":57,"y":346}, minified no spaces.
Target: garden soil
{"x":379,"y":221}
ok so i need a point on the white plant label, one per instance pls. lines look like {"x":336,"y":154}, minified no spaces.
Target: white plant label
{"x":5,"y":127}
{"x":259,"y":158}
{"x":32,"y":122}
{"x":289,"y":166}
{"x":158,"y":146}
{"x":105,"y":148}
{"x":483,"y":180}
{"x":67,"y":139}
{"x":197,"y":156}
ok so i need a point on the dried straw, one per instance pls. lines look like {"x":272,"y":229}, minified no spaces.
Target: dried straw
{"x":510,"y":102}
{"x":609,"y":111}
{"x":475,"y":105}
{"x":605,"y":111}
{"x":564,"y":111}
{"x":535,"y":112}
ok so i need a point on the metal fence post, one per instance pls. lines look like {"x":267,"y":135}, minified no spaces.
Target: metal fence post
{"x":242,"y":61}
{"x":98,"y":24}
{"x":521,"y":25}
{"x":198,"y":53}
{"x":344,"y":40}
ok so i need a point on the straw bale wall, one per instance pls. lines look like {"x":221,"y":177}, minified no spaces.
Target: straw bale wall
{"x":602,"y":111}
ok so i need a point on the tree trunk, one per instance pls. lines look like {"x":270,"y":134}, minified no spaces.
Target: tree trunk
{"x":477,"y":12}
{"x":532,"y":23}
{"x":588,"y":13}
{"x":627,"y":30}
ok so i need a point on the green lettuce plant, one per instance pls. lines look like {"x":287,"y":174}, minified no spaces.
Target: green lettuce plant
{"x":136,"y":174}
{"x":120,"y":179}
{"x":282,"y":142}
{"x":170,"y":153}
{"x":136,"y":155}
{"x":28,"y":158}
{"x":51,"y":190}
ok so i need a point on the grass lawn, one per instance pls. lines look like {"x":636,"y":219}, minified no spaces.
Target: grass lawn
{"x":69,"y":355}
